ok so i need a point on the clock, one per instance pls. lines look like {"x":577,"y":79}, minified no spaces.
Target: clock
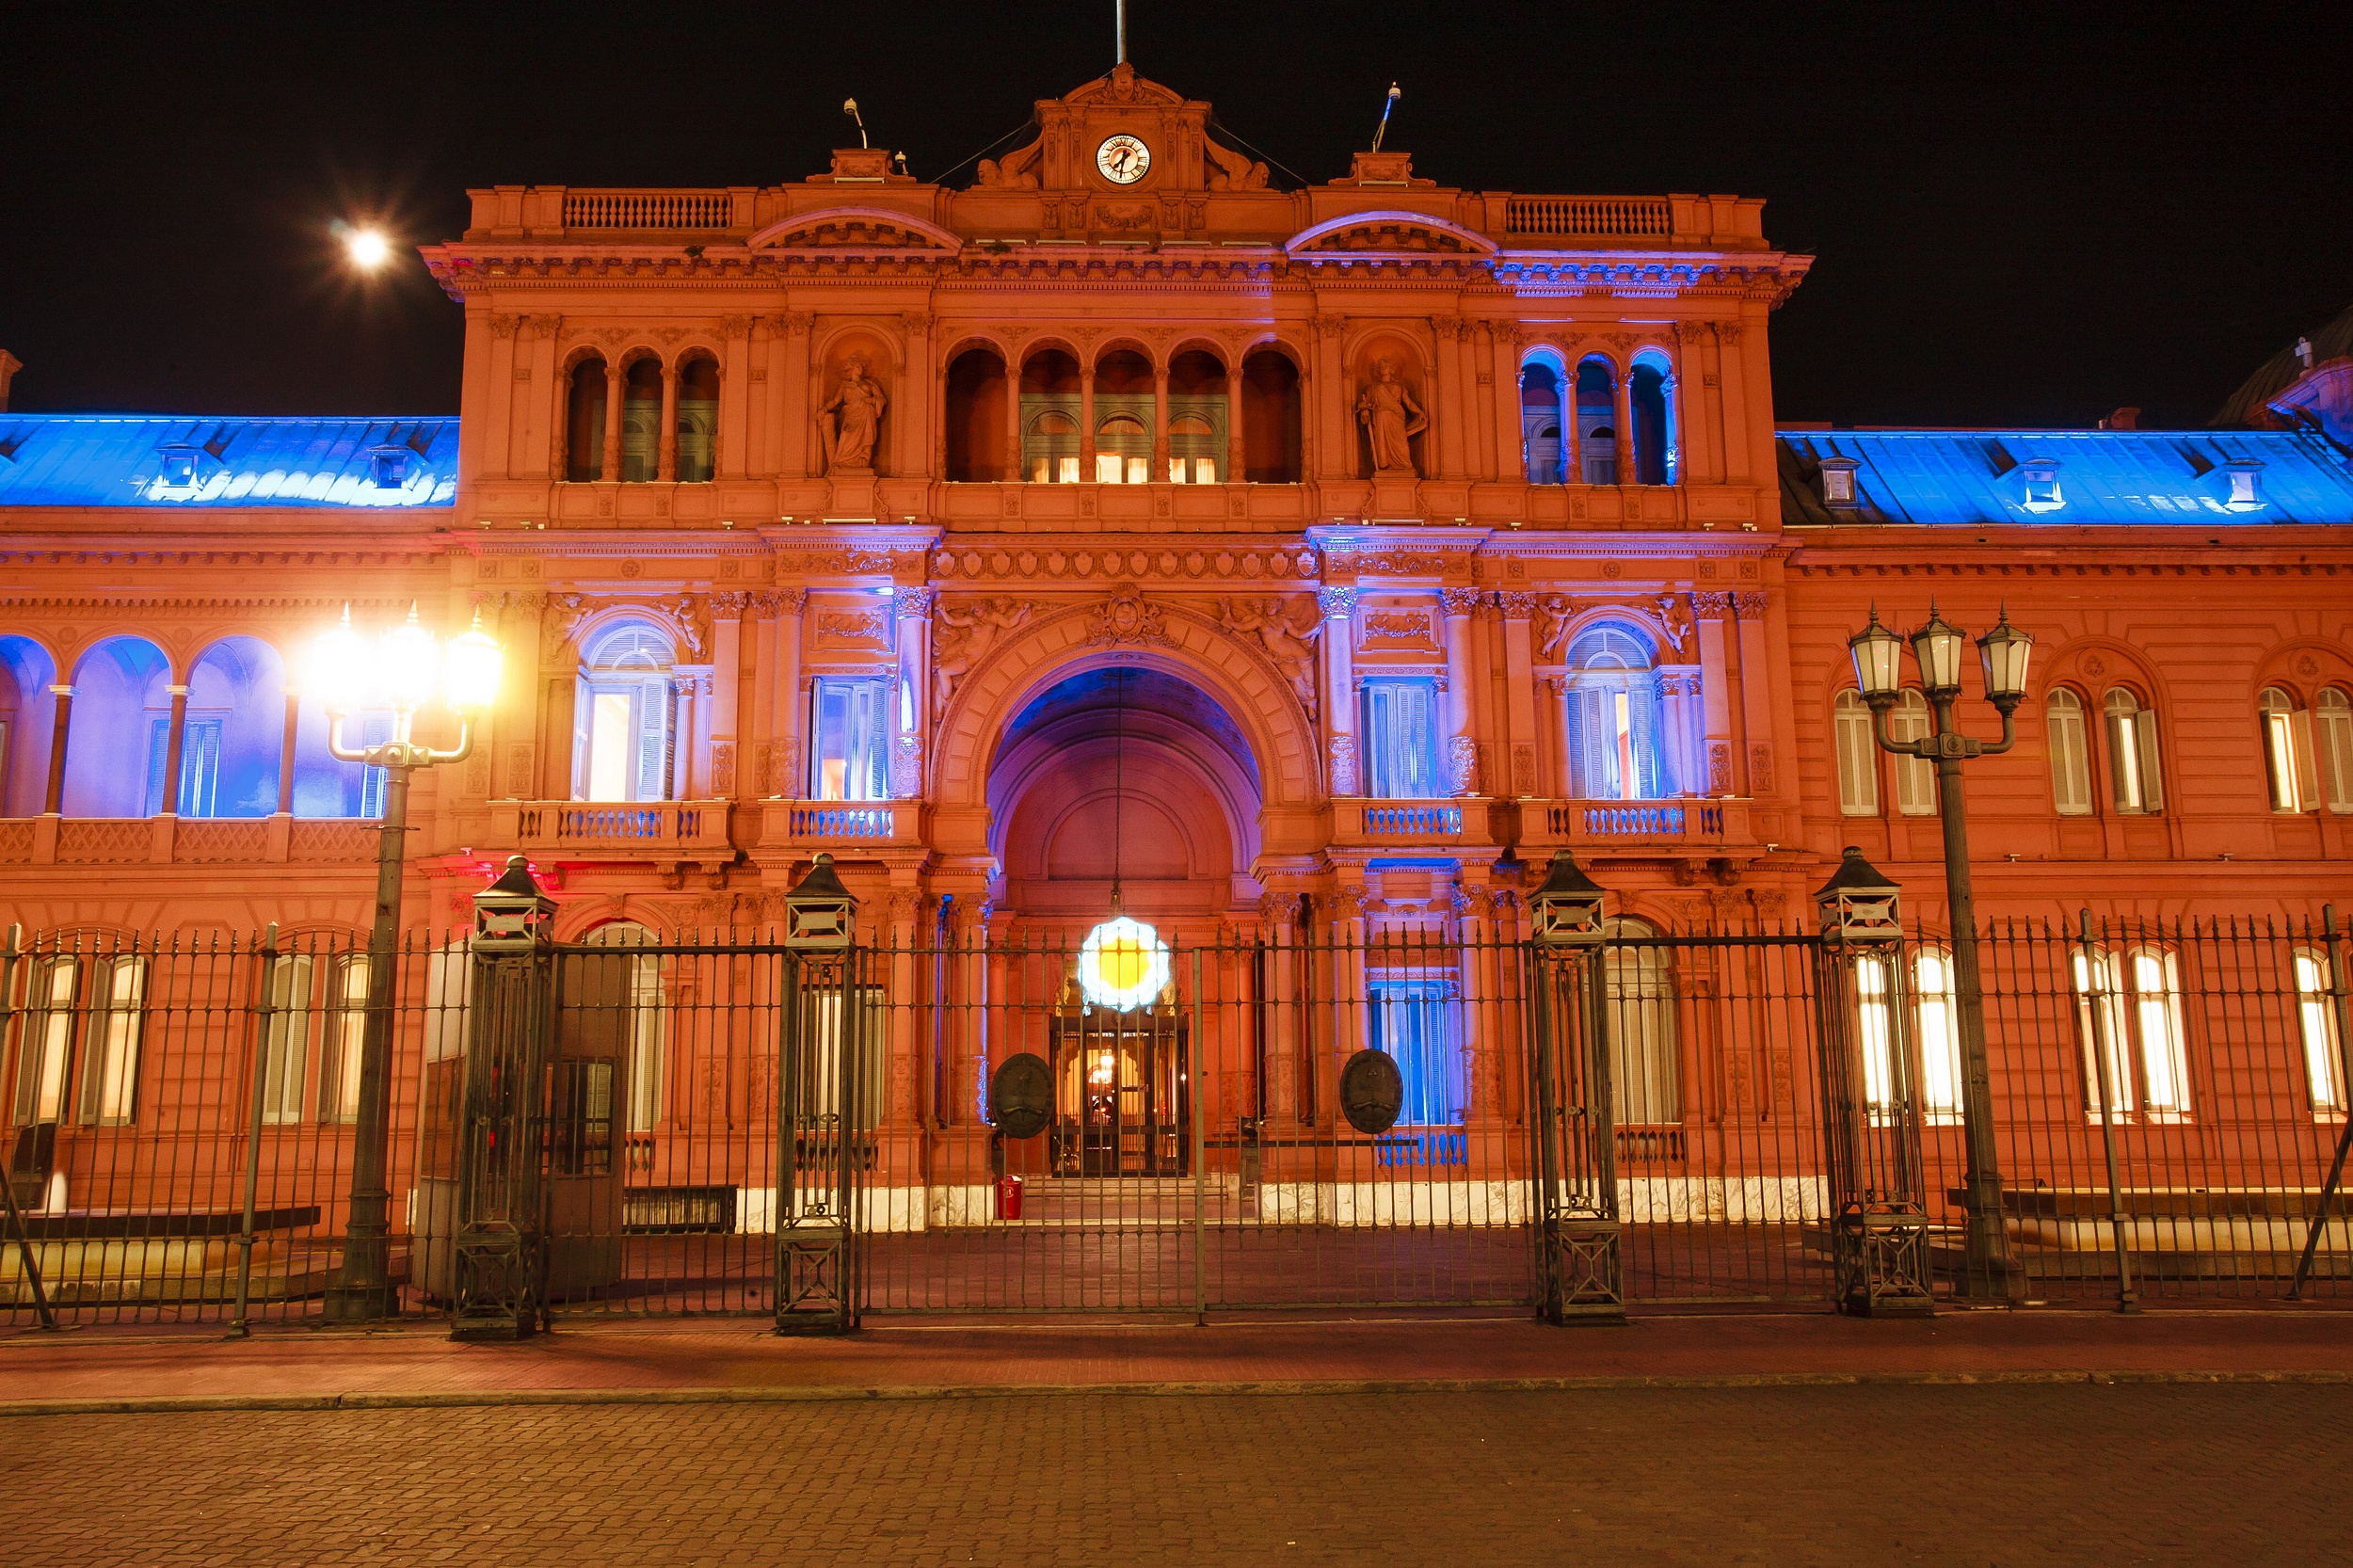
{"x":1123,"y":159}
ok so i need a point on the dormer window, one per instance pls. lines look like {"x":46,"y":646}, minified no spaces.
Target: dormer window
{"x":1838,"y":486}
{"x":177,"y":468}
{"x":2245,"y":486}
{"x":388,"y":467}
{"x":2041,"y":476}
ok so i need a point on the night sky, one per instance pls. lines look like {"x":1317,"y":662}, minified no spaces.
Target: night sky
{"x":2022,"y":216}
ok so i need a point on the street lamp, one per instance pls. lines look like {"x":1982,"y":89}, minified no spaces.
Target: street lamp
{"x":400,"y":671}
{"x":2003,"y":654}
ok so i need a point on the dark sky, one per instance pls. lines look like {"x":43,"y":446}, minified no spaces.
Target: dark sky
{"x":2024,"y":215}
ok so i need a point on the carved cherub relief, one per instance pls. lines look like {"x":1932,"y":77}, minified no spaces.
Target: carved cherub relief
{"x":1288,"y":638}
{"x":963,"y":637}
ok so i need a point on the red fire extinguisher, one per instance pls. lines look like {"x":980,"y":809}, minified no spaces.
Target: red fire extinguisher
{"x":1009,"y":1198}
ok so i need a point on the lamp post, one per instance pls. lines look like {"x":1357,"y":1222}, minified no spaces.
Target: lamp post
{"x":2003,"y":654}
{"x":400,"y":671}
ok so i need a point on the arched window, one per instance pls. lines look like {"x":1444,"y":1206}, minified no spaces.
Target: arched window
{"x":1858,"y":756}
{"x":1936,"y":1011}
{"x":1124,"y":411}
{"x":640,"y":421}
{"x":2136,"y":782}
{"x":318,"y":1004}
{"x":698,"y":419}
{"x":2316,"y":1026}
{"x":630,"y":988}
{"x":2129,"y":1009}
{"x":1270,"y":418}
{"x":1540,"y":423}
{"x":27,"y":714}
{"x":85,"y":1017}
{"x":1615,"y":722}
{"x":2332,"y":737}
{"x":1050,"y":447}
{"x":621,"y":717}
{"x":1123,"y":449}
{"x":1197,"y":411}
{"x":235,"y":728}
{"x":121,"y":694}
{"x":1649,"y":387}
{"x":976,"y":418}
{"x":584,"y":422}
{"x":1596,"y":412}
{"x":1915,"y":777}
{"x":2290,"y":766}
{"x":1646,"y":1067}
{"x":2071,"y":753}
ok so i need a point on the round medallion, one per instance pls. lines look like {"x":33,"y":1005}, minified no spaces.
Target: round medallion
{"x":1123,"y":159}
{"x":1021,"y":1096}
{"x":1123,"y":964}
{"x":1372,"y":1091}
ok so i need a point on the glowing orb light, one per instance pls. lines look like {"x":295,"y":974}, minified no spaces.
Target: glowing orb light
{"x":367,"y":248}
{"x":1123,"y":964}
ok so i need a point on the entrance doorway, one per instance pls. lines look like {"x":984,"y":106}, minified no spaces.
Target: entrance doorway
{"x":1123,"y":1089}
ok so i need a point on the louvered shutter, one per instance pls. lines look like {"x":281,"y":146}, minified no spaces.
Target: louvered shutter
{"x":2071,"y":778}
{"x":656,"y":702}
{"x":1858,"y":762}
{"x":199,"y":769}
{"x":2307,"y":763}
{"x":584,"y":719}
{"x":2335,"y":743}
{"x":2151,"y":775}
{"x":158,"y":758}
{"x":1650,"y":760}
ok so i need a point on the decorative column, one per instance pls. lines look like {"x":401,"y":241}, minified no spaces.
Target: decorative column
{"x":286,"y":754}
{"x":682,"y":732}
{"x":1676,"y":693}
{"x":1236,"y":458}
{"x":1478,"y":355}
{"x":1330,"y":411}
{"x":919,"y":388}
{"x":1714,"y":688}
{"x":1015,"y":471}
{"x":732,"y":442}
{"x":1279,"y":910}
{"x":665,"y":447}
{"x":1671,"y":438}
{"x":53,"y":801}
{"x":1461,"y":747}
{"x":1621,"y":386}
{"x":788,"y":404}
{"x":1519,"y":685}
{"x":1447,"y":416}
{"x":1504,"y":442}
{"x":786,"y":777}
{"x":1159,"y":473}
{"x":1572,"y":437}
{"x":170,"y":804}
{"x":1338,"y":607}
{"x":609,"y":469}
{"x":909,"y":714}
{"x":1086,"y":421}
{"x":727,"y":668}
{"x":1756,"y":692}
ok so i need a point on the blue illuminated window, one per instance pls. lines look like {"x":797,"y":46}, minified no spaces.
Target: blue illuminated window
{"x":1412,"y":1022}
{"x":1615,"y":720}
{"x":1401,"y":726}
{"x":200,"y":767}
{"x":374,"y":732}
{"x":2041,"y":477}
{"x":850,"y":738}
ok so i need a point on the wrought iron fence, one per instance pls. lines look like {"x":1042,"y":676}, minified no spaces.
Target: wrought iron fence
{"x":179,"y":1119}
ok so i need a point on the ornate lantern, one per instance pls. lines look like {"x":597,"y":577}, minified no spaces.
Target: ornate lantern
{"x":1858,"y":902}
{"x":1937,"y":646}
{"x":819,"y":913}
{"x":2005,"y":651}
{"x":1567,"y":909}
{"x":511,"y":915}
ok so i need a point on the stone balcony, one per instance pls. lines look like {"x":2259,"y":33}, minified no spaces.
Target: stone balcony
{"x":674,"y":833}
{"x":1686,"y":826}
{"x":187,"y":841}
{"x":841,"y":827}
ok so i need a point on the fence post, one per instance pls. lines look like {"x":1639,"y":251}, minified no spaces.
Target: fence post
{"x":815,"y":1289}
{"x":500,"y":1255}
{"x":1197,"y":1086}
{"x":25,"y":1256}
{"x":1879,"y":1221}
{"x":263,"y":1014}
{"x":1577,"y":1194}
{"x":2127,"y":1298}
{"x":2335,"y":949}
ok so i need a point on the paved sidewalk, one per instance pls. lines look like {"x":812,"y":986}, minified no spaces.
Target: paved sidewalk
{"x":717,"y":1360}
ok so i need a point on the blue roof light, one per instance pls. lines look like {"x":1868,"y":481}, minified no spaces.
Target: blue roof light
{"x":172,"y":461}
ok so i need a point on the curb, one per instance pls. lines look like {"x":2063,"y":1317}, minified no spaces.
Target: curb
{"x":846,"y":1394}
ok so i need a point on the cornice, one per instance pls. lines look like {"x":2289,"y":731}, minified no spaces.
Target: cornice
{"x":375,"y":554}
{"x":2010,"y":566}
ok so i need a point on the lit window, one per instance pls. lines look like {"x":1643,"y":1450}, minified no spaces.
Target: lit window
{"x":1915,"y":777}
{"x":2289,"y":765}
{"x":1937,"y":1010}
{"x":2245,"y":486}
{"x":1858,"y":757}
{"x":343,"y":1039}
{"x":110,"y":1041}
{"x":850,"y":738}
{"x":1411,"y":1021}
{"x":1123,"y":451}
{"x":199,"y":794}
{"x":1052,"y":445}
{"x":2041,"y":477}
{"x":1646,"y":1067}
{"x":2136,"y":780}
{"x":1401,"y":725}
{"x":1838,"y":486}
{"x":2316,"y":1025}
{"x":46,"y":1040}
{"x":622,"y":718}
{"x":2129,"y":1015}
{"x":2071,"y":757}
{"x":2332,"y":739}
{"x":285,"y":1036}
{"x":1616,"y":721}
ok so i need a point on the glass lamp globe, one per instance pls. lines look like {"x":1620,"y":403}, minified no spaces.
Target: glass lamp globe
{"x":2005,"y":651}
{"x":1937,"y":646}
{"x":470,"y":679}
{"x":337,"y":675}
{"x":1879,"y":660}
{"x":408,"y":665}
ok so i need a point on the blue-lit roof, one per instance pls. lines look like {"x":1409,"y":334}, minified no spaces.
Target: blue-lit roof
{"x":2100,"y":477}
{"x":173,"y":461}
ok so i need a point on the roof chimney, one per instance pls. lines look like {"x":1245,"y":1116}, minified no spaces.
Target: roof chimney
{"x":2123,"y":419}
{"x":9,"y":365}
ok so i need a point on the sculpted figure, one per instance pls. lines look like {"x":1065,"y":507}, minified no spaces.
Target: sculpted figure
{"x":1391,"y":417}
{"x":1675,"y":618}
{"x":1556,"y":611}
{"x":1015,"y":170}
{"x":1290,"y":645}
{"x":852,"y":418}
{"x":965,"y":639}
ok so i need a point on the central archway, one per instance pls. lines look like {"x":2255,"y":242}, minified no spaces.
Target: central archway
{"x":1130,"y":771}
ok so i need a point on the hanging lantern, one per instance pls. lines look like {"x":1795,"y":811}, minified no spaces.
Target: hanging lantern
{"x":1123,"y":964}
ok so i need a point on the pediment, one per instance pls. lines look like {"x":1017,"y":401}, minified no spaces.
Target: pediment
{"x":1123,"y":89}
{"x":1388,"y":233}
{"x":865,"y":229}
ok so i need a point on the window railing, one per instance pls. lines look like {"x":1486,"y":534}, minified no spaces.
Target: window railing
{"x":1594,"y":216}
{"x":625,"y":827}
{"x":649,"y":209}
{"x":1362,"y":820}
{"x":185,"y":841}
{"x":821,"y":824}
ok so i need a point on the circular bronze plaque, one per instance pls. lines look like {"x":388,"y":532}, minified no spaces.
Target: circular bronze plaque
{"x":1021,"y":1096}
{"x":1372,"y":1091}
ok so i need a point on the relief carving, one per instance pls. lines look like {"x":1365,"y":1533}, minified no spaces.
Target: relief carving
{"x":1343,"y":764}
{"x":963,"y":637}
{"x":1289,"y":643}
{"x":1127,"y":617}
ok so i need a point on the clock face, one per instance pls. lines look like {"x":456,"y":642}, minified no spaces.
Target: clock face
{"x":1123,"y":159}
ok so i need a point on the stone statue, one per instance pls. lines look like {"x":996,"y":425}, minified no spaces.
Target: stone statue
{"x":1017,"y":170}
{"x":1391,"y":417}
{"x":852,"y":418}
{"x":1289,"y":645}
{"x":1675,"y":619}
{"x":1557,"y":612}
{"x":964,"y":640}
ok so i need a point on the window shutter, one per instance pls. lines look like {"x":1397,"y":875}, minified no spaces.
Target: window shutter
{"x":2071,"y":781}
{"x":2123,"y":761}
{"x":2336,"y":742}
{"x":2152,"y":775}
{"x":655,"y":704}
{"x":1650,"y":752}
{"x":199,"y":769}
{"x":2306,"y":765}
{"x":158,"y":753}
{"x":1580,"y":758}
{"x":1858,"y":761}
{"x":373,"y":733}
{"x":584,"y":717}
